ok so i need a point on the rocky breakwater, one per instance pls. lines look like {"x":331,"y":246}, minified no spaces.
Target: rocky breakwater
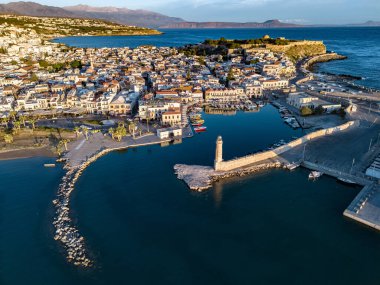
{"x":200,"y":178}
{"x":65,"y":230}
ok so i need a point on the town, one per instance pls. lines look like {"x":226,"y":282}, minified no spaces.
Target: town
{"x":148,"y":89}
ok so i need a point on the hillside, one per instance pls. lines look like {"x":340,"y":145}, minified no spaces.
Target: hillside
{"x":126,"y":16}
{"x":34,"y":9}
{"x":213,"y":25}
{"x":57,"y":27}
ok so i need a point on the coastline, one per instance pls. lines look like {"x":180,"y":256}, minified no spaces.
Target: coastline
{"x":13,"y":154}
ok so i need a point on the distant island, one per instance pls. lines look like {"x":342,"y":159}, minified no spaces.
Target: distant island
{"x":213,"y":25}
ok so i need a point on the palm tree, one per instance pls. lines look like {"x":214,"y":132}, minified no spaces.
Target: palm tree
{"x":132,"y":128}
{"x":64,"y":143}
{"x":22,"y":120}
{"x":17,"y":125}
{"x":33,"y":121}
{"x":5,"y":121}
{"x":77,"y":131}
{"x":85,"y":132}
{"x":111,"y":131}
{"x":13,"y":114}
{"x":8,"y":138}
{"x":120,"y":132}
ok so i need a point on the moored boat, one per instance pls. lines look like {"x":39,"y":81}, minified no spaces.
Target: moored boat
{"x":292,"y":166}
{"x":315,"y":174}
{"x":200,"y":129}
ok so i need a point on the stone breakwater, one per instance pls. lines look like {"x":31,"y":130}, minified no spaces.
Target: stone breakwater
{"x":200,"y":178}
{"x":65,"y":230}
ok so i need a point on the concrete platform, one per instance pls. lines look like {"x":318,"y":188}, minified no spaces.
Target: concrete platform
{"x":365,"y":208}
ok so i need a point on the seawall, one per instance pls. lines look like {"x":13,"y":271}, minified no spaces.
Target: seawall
{"x":323,"y":58}
{"x":254,"y":158}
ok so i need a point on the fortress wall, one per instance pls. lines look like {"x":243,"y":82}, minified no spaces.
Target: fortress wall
{"x":250,"y":159}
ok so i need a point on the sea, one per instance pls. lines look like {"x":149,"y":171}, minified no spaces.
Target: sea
{"x":144,"y":226}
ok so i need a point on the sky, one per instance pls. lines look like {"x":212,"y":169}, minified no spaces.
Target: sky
{"x":295,"y":11}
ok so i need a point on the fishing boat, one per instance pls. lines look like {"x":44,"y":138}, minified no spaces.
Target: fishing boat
{"x":292,"y":166}
{"x":195,"y":116}
{"x":200,"y":129}
{"x":315,"y":174}
{"x":197,"y":121}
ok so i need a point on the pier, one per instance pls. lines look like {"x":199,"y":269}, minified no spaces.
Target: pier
{"x":331,"y":151}
{"x":80,"y":155}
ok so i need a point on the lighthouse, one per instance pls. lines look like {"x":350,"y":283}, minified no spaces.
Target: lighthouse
{"x":218,"y":152}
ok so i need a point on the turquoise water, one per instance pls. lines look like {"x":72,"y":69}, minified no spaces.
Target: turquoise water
{"x":360,"y":44}
{"x":143,"y":225}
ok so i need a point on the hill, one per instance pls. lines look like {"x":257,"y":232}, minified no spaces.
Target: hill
{"x":126,"y":16}
{"x":213,"y":25}
{"x":34,"y":9}
{"x":367,"y":24}
{"x":51,"y":27}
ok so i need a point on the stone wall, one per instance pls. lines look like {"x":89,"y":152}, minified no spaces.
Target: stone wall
{"x":250,"y":159}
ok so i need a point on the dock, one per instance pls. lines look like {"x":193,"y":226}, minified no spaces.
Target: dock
{"x":365,"y":208}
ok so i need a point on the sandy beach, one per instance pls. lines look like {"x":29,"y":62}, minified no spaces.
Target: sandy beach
{"x":26,"y":153}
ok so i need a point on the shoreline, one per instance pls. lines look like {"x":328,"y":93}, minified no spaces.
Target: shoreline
{"x":32,"y":152}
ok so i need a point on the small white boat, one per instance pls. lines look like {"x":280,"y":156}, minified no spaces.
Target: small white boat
{"x":292,"y":166}
{"x":49,"y":165}
{"x":315,"y":174}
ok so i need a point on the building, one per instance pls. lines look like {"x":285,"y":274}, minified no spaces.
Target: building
{"x":224,"y":94}
{"x":171,"y":117}
{"x":166,"y":133}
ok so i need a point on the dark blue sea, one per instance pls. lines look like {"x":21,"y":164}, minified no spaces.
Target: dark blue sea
{"x":144,"y":226}
{"x":360,"y":44}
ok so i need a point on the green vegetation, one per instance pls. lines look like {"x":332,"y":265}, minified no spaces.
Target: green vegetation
{"x":233,"y":44}
{"x":306,"y":111}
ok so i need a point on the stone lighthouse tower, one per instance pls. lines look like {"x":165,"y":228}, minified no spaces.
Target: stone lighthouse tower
{"x":218,"y":152}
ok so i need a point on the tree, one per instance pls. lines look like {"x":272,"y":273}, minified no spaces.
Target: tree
{"x":76,"y":64}
{"x":111,"y":131}
{"x":230,"y":75}
{"x":8,"y":138}
{"x":188,"y":75}
{"x":5,"y":121}
{"x":319,"y":110}
{"x":34,"y":77}
{"x":120,"y":131}
{"x":77,"y":131}
{"x":132,"y":128}
{"x":33,"y":121}
{"x":306,"y":111}
{"x":64,"y":143}
{"x":17,"y":125}
{"x":85,"y":132}
{"x":43,"y":63}
{"x":22,"y":120}
{"x":13,"y":114}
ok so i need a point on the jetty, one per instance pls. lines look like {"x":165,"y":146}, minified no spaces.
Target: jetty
{"x":338,"y":152}
{"x":81,"y":153}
